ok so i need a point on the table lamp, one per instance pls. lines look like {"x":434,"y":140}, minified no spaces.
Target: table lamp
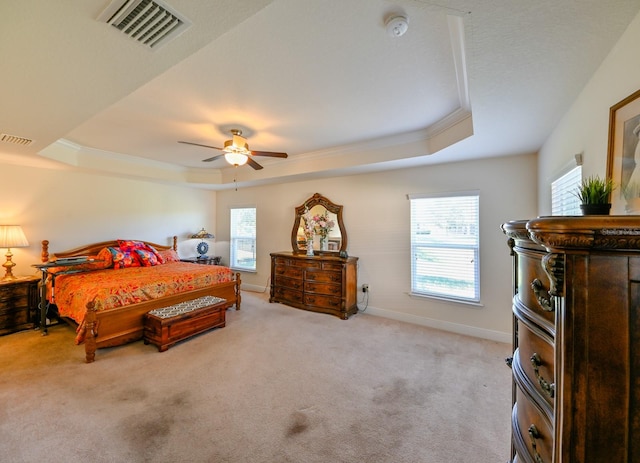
{"x":11,"y":236}
{"x":202,"y":247}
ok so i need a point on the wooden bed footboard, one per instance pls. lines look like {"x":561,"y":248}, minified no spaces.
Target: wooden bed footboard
{"x":126,"y":324}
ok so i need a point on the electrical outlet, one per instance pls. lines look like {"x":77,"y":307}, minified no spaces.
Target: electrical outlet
{"x":365,"y":288}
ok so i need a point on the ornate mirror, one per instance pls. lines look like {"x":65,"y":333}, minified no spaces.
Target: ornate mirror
{"x":325,"y":219}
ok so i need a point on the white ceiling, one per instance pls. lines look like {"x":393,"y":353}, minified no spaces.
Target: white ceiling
{"x":319,"y":79}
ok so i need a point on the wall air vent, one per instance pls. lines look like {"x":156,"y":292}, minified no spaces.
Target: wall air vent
{"x":148,"y":22}
{"x":6,"y":138}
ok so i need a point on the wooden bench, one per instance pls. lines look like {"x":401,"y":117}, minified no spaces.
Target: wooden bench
{"x":168,"y":325}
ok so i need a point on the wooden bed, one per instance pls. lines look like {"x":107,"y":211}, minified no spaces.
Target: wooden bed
{"x":121,"y":325}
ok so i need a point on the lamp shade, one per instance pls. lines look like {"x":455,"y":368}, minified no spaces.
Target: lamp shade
{"x":202,"y":234}
{"x":12,"y":236}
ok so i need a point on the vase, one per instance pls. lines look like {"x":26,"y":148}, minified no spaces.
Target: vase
{"x":310,"y":247}
{"x":324,"y":243}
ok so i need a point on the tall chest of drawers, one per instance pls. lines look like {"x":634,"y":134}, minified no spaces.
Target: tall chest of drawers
{"x":321,"y":283}
{"x":576,"y":359}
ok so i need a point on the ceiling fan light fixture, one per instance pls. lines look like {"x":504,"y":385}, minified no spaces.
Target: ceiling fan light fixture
{"x":235,"y":158}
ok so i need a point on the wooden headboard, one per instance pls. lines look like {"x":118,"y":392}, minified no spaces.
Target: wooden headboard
{"x":94,"y":248}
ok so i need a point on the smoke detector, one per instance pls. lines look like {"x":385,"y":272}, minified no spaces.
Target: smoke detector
{"x":397,"y":26}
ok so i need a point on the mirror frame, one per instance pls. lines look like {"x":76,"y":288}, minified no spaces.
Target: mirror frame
{"x":315,"y":200}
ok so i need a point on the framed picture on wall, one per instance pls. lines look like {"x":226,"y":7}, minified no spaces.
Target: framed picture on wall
{"x":623,"y":160}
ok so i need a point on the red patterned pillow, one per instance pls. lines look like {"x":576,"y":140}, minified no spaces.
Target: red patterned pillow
{"x":133,"y":245}
{"x":147,"y":258}
{"x":123,"y":259}
{"x":130,"y":245}
{"x":156,"y":253}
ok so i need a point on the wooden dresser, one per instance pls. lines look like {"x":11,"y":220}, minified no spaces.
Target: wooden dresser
{"x":576,"y":359}
{"x":321,"y":283}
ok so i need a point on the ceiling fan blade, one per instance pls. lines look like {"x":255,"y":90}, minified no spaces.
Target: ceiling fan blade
{"x":198,"y":144}
{"x":254,"y":164}
{"x":269,"y":153}
{"x":213,"y":158}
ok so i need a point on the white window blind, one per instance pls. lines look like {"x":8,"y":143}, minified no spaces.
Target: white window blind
{"x":243,"y":238}
{"x":445,"y":246}
{"x":563,"y":199}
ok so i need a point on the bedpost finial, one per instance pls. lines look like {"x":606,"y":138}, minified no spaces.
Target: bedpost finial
{"x":44,"y":255}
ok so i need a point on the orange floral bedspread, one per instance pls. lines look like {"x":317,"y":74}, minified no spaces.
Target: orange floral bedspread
{"x":116,"y":288}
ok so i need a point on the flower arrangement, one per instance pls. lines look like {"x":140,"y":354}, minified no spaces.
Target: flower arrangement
{"x":309,"y":224}
{"x":323,"y":224}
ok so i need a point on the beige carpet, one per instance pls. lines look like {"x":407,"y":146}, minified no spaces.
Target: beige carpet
{"x":277,"y":384}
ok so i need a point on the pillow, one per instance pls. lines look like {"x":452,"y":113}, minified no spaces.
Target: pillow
{"x":156,"y":253}
{"x":169,"y":255}
{"x":123,"y":259}
{"x":132,"y":246}
{"x":146,"y":258}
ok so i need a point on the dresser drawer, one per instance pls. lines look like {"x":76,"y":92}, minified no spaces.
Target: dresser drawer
{"x":293,"y":272}
{"x":11,"y":293}
{"x":291,"y":283}
{"x":318,"y":300}
{"x":285,"y":294}
{"x":323,"y":276}
{"x":9,"y":304}
{"x":537,"y":359}
{"x":322,"y":288}
{"x":10,"y":320}
{"x":532,"y":432}
{"x":336,"y":266}
{"x":533,"y":287}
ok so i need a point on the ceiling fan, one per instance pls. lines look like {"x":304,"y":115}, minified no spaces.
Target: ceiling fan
{"x":236,"y":151}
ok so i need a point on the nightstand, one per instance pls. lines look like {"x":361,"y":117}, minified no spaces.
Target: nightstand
{"x":18,"y":304}
{"x":213,"y":260}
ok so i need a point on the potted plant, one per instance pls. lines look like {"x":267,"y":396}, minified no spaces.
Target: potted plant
{"x":594,"y":194}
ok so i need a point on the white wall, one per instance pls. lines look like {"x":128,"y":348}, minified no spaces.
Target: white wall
{"x":585,"y":127}
{"x":71,"y":209}
{"x":376,"y":216}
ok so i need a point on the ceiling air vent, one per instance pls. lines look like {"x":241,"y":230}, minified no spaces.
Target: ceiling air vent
{"x":15,"y":140}
{"x":148,"y":22}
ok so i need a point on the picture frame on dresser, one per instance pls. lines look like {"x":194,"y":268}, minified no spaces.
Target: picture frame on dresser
{"x":623,"y":155}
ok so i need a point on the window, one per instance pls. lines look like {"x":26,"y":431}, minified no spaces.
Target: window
{"x":563,"y":200}
{"x":243,"y":238}
{"x":445,"y":246}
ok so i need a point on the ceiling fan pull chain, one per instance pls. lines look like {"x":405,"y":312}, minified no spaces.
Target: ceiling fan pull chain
{"x":235,"y":175}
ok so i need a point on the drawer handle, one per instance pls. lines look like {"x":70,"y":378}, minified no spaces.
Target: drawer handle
{"x":544,"y":300}
{"x":549,"y":389}
{"x":534,"y":435}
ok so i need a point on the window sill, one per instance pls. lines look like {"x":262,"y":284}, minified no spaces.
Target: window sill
{"x":476,"y":305}
{"x":243,"y":270}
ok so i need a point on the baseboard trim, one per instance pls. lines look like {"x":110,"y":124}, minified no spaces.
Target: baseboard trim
{"x":466,"y":330}
{"x":457,"y":328}
{"x":253,"y":288}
